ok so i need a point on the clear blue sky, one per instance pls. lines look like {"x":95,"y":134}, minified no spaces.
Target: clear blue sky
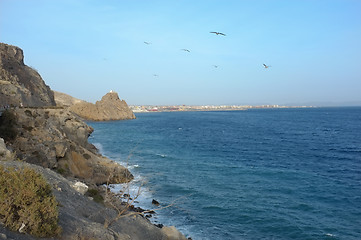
{"x":86,"y":48}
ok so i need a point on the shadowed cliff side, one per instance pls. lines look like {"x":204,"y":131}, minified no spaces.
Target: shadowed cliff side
{"x":21,"y":85}
{"x":110,"y":107}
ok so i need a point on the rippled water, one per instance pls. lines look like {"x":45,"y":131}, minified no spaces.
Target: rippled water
{"x":255,"y":174}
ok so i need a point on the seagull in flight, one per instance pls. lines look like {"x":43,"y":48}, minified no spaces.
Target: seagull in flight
{"x":147,"y":43}
{"x":186,"y":50}
{"x":266,"y":66}
{"x":218,"y":33}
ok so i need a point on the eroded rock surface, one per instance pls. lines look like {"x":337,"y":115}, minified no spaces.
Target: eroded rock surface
{"x":57,"y":139}
{"x":21,"y":85}
{"x":65,"y":100}
{"x":110,"y":107}
{"x":82,"y":218}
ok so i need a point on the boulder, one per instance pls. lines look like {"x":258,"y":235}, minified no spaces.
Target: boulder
{"x":4,"y":152}
{"x":80,"y":187}
{"x":172,"y":233}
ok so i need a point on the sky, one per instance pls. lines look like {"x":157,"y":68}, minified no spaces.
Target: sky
{"x":86,"y":48}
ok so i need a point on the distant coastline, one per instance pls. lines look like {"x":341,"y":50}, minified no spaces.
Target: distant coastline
{"x":187,"y":108}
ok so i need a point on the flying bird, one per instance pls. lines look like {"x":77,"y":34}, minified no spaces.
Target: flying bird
{"x":186,"y":50}
{"x":265,"y":66}
{"x":215,"y":66}
{"x":218,"y":33}
{"x":147,"y":43}
{"x":155,"y":75}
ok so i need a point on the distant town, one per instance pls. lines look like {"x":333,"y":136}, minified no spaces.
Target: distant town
{"x":183,"y":108}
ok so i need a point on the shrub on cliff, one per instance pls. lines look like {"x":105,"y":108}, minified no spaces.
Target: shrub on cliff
{"x":27,"y":204}
{"x":7,"y":125}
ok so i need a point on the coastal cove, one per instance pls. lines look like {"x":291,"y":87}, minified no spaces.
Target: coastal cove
{"x":255,"y":174}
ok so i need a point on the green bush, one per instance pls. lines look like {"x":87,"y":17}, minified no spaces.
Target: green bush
{"x":7,"y":125}
{"x":94,"y":193}
{"x":26,"y":198}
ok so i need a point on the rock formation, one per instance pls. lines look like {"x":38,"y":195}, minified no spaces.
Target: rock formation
{"x":56,"y":139}
{"x":65,"y":100}
{"x":4,"y":152}
{"x":20,"y":84}
{"x":82,"y":218}
{"x":109,"y":108}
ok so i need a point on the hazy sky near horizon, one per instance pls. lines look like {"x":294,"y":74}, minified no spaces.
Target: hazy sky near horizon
{"x":86,"y":48}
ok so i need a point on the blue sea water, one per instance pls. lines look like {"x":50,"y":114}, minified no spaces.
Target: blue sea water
{"x":255,"y":174}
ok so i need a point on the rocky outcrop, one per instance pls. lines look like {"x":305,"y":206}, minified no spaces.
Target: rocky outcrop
{"x":109,"y":108}
{"x":56,"y":139}
{"x":21,"y":85}
{"x":4,"y":152}
{"x":65,"y":100}
{"x":82,"y":218}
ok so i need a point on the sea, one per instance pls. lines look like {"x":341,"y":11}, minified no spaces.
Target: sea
{"x":292,"y":173}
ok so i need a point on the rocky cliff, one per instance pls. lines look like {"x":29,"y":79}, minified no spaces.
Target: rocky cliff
{"x":65,"y":100}
{"x":20,"y":84}
{"x":56,"y":139}
{"x":82,"y":218}
{"x":110,"y":107}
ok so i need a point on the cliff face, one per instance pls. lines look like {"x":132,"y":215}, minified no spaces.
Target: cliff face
{"x":65,"y":100}
{"x":109,"y":108}
{"x":20,"y":84}
{"x":56,"y":139}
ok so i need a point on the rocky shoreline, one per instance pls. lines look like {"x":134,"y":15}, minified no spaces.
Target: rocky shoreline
{"x":53,"y":140}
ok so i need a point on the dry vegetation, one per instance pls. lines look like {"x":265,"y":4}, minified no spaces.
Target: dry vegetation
{"x":27,"y":204}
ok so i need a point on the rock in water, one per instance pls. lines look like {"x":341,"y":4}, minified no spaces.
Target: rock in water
{"x":155,"y":202}
{"x":109,"y":108}
{"x":21,"y":85}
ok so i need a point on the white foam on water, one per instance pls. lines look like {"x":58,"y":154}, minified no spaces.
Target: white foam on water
{"x":99,"y":146}
{"x":329,"y":235}
{"x":133,"y":166}
{"x":161,"y":155}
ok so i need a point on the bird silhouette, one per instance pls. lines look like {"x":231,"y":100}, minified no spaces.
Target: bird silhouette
{"x":218,"y":33}
{"x":155,"y":75}
{"x":147,"y":43}
{"x":186,"y":50}
{"x":215,"y":66}
{"x":265,"y":66}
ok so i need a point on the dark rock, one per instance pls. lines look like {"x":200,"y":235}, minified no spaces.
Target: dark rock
{"x":155,"y":202}
{"x":159,"y":225}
